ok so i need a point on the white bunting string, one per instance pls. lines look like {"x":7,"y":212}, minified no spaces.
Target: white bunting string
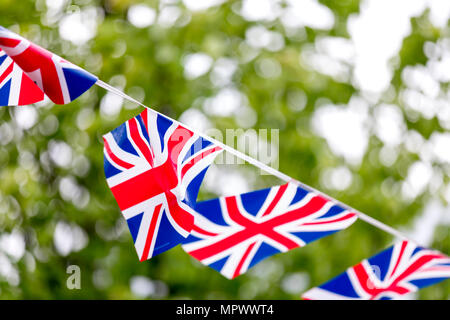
{"x":368,"y":219}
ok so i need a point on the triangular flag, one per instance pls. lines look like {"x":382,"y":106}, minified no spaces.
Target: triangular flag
{"x":400,"y":269}
{"x":154,"y":168}
{"x":232,"y":234}
{"x":27,"y":71}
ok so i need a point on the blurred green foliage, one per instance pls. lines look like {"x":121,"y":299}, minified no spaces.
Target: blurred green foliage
{"x":150,"y":60}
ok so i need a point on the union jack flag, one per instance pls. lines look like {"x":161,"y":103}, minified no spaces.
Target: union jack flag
{"x":232,"y":234}
{"x":394,"y":272}
{"x":16,"y":88}
{"x":154,"y":168}
{"x":59,"y":79}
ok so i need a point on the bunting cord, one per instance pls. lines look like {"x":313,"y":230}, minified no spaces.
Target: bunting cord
{"x":366,"y":218}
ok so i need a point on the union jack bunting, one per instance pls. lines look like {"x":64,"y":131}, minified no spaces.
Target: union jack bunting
{"x":154,"y":168}
{"x":232,"y":234}
{"x":394,"y":272}
{"x":59,"y":79}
